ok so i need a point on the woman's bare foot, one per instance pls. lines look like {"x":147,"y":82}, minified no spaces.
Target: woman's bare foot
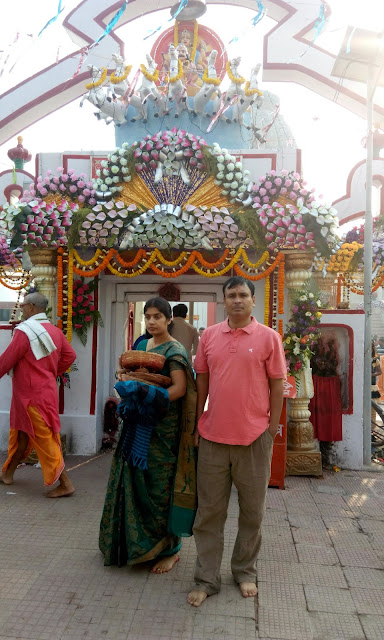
{"x":196,"y":597}
{"x":165,"y":564}
{"x":7,"y":477}
{"x":248,"y":589}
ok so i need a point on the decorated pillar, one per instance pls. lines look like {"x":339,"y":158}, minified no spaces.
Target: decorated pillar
{"x":44,"y":272}
{"x":303,"y":456}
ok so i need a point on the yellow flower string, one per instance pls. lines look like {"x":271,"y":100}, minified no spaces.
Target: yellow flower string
{"x":87,"y":263}
{"x":251,"y":92}
{"x":207,"y":80}
{"x":117,"y":79}
{"x":180,"y":74}
{"x":281,"y":278}
{"x":262,"y":275}
{"x":233,"y":78}
{"x":132,"y":274}
{"x":70,"y":295}
{"x":254,"y":265}
{"x":267,"y":292}
{"x":215,"y":273}
{"x":152,"y":77}
{"x":93,"y":85}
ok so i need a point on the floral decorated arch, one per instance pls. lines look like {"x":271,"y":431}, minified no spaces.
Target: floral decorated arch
{"x":171,"y":204}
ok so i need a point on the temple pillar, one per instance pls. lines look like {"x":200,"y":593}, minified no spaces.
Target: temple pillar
{"x":44,"y":272}
{"x":303,"y":456}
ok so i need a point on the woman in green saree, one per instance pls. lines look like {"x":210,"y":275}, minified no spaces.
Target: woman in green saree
{"x":147,"y":511}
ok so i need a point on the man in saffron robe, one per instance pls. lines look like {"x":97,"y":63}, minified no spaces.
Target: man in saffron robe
{"x":38,"y":353}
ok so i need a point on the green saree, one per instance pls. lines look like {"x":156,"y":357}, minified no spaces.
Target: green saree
{"x":147,"y":511}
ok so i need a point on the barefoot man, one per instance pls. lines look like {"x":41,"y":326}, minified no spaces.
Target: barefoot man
{"x":241,"y":365}
{"x":38,"y":353}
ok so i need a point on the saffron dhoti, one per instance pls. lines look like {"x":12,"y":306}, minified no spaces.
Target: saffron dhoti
{"x":45,"y":442}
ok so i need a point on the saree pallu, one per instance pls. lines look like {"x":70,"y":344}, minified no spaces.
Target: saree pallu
{"x":146,"y":511}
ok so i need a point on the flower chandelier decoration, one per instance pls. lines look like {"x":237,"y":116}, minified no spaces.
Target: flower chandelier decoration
{"x":7,"y":258}
{"x":38,"y":224}
{"x":84,"y":312}
{"x":68,"y":185}
{"x":303,"y":331}
{"x":301,"y":226}
{"x":283,"y":186}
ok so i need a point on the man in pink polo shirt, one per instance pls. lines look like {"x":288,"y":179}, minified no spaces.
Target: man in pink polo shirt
{"x":241,"y":365}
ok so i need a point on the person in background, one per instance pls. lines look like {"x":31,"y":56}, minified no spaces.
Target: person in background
{"x":145,"y":336}
{"x":241,"y":364}
{"x":38,"y":354}
{"x":380,"y":346}
{"x":201,"y":329}
{"x":184,"y":332}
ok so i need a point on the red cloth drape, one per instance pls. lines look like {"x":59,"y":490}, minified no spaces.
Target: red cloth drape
{"x":325,"y":408}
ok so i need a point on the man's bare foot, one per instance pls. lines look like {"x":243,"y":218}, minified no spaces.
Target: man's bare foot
{"x":61,"y":491}
{"x":196,"y":597}
{"x":165,"y":564}
{"x":6,"y":477}
{"x":248,"y":589}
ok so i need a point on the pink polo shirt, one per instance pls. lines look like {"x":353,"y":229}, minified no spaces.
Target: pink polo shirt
{"x":239,"y":362}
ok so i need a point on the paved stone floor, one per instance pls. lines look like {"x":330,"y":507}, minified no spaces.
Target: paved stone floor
{"x":320,"y":570}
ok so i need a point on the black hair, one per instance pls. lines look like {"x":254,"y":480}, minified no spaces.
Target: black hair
{"x":161,"y":305}
{"x":237,"y":281}
{"x":180,"y":311}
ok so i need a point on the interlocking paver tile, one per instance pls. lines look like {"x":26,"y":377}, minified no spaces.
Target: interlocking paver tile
{"x":369,"y":601}
{"x":283,"y":552}
{"x":355,"y":557}
{"x":53,"y":585}
{"x":276,"y":534}
{"x":305,"y":521}
{"x":310,"y":536}
{"x":340,"y":524}
{"x":336,"y":626}
{"x":329,"y":599}
{"x":300,"y":573}
{"x":285,"y":623}
{"x":370,"y":525}
{"x":272,"y":594}
{"x":347,"y":540}
{"x":364,"y":578}
{"x":217,"y":627}
{"x":373,"y":626}
{"x":319,"y":554}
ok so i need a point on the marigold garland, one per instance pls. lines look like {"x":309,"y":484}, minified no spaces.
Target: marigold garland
{"x":251,"y":92}
{"x":70,"y":295}
{"x":281,"y":329}
{"x":180,"y":74}
{"x":117,"y":79}
{"x":18,"y":287}
{"x":141,"y":253}
{"x":152,"y":77}
{"x":262,"y":275}
{"x":254,"y":265}
{"x":87,"y":263}
{"x":281,"y":278}
{"x":216,"y":273}
{"x":207,"y":80}
{"x":267,"y":292}
{"x":60,"y":252}
{"x":212,"y":265}
{"x":233,"y":78}
{"x":93,"y":85}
